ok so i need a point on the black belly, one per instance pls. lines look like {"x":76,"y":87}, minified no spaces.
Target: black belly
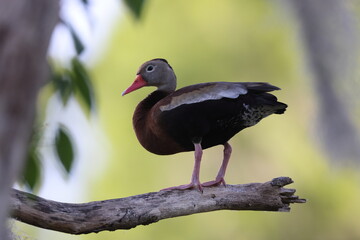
{"x":213,"y":122}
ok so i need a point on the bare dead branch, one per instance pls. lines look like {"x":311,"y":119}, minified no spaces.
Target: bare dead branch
{"x":144,"y":209}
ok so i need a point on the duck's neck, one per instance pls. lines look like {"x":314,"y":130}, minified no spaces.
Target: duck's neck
{"x":154,"y":97}
{"x":144,"y":122}
{"x":144,"y":107}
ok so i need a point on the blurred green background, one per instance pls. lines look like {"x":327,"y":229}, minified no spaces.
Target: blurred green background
{"x":231,"y":41}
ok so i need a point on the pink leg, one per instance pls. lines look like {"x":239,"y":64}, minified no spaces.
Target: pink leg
{"x":195,"y":182}
{"x":220,"y":177}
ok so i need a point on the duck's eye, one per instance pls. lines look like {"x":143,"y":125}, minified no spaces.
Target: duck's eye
{"x":150,"y":68}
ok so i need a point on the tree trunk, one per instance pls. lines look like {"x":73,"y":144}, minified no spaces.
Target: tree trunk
{"x":330,"y":35}
{"x":25,"y":31}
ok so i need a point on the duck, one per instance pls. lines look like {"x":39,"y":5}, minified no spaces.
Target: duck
{"x":196,"y":117}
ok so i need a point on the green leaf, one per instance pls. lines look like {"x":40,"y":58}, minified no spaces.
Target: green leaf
{"x":64,"y":148}
{"x":31,"y":175}
{"x":135,"y":6}
{"x":79,"y":46}
{"x":62,"y":83}
{"x":32,"y":169}
{"x":83,"y":84}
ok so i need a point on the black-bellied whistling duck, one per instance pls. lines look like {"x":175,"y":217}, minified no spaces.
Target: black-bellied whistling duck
{"x":196,"y":117}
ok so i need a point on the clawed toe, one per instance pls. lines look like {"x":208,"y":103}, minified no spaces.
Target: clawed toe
{"x":199,"y":186}
{"x":215,"y":182}
{"x":184,"y":187}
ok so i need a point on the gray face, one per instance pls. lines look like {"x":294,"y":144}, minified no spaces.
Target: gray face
{"x":158,"y":73}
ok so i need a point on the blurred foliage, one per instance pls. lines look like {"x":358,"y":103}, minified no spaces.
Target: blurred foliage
{"x":63,"y":84}
{"x":32,"y":170}
{"x":67,"y":82}
{"x":83,"y":84}
{"x":31,"y":174}
{"x":79,"y":46}
{"x":135,"y":6}
{"x":74,"y":81}
{"x":64,"y":148}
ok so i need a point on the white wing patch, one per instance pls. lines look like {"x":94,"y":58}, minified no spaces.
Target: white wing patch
{"x":212,"y":92}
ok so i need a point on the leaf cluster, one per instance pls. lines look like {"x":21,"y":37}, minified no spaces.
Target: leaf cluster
{"x":74,"y":81}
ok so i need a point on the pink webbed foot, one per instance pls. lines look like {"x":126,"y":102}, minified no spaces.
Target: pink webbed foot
{"x":186,"y":186}
{"x":216,"y":182}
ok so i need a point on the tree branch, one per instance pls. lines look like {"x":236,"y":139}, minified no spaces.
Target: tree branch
{"x":129,"y":212}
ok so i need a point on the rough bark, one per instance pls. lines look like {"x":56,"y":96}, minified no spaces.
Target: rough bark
{"x":129,"y":212}
{"x":25,"y":31}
